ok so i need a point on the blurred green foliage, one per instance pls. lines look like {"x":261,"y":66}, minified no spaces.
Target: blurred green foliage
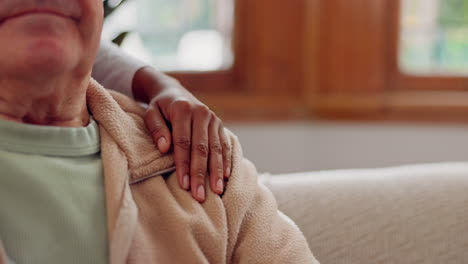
{"x":440,"y":48}
{"x":453,"y":13}
{"x":162,"y":23}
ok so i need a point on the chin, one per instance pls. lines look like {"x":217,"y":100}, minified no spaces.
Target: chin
{"x":50,"y":57}
{"x":40,"y":43}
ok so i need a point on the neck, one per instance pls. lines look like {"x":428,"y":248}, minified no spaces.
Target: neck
{"x":58,"y":101}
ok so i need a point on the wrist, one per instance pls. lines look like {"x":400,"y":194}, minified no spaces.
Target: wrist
{"x":148,"y":83}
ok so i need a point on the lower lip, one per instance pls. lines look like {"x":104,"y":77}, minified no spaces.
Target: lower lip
{"x":45,"y":14}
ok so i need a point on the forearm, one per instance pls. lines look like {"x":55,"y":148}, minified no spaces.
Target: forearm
{"x":120,"y":72}
{"x":115,"y":70}
{"x":149,"y":82}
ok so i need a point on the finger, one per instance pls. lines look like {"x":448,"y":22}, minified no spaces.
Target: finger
{"x":182,"y":124}
{"x":156,"y":124}
{"x":200,"y":151}
{"x":227,"y":152}
{"x":216,"y":158}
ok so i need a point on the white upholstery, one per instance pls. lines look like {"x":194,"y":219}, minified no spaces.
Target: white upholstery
{"x":410,"y":214}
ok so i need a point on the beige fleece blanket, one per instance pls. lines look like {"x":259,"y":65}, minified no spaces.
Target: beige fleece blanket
{"x":152,"y":220}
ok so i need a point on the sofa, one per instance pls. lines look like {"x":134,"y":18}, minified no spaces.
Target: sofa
{"x":407,"y":214}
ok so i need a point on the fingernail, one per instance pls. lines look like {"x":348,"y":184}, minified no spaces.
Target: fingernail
{"x":228,"y":172}
{"x":162,"y":142}
{"x":185,"y":182}
{"x":201,"y":193}
{"x":219,"y":186}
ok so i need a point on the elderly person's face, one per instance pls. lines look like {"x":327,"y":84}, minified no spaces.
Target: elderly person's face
{"x":50,"y":36}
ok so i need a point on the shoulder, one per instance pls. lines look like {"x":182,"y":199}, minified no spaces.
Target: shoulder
{"x":128,"y":104}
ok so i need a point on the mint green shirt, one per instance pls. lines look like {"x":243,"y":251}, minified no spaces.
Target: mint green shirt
{"x":52,"y":201}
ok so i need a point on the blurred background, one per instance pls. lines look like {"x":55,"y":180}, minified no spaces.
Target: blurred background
{"x":315,"y":84}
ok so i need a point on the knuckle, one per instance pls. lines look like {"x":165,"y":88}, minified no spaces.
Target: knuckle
{"x":216,"y":119}
{"x":215,"y":122}
{"x":199,"y":174}
{"x":203,"y":110}
{"x":184,"y":165}
{"x":153,"y":124}
{"x":227,"y":156}
{"x":216,"y":148}
{"x":148,"y":116}
{"x":158,"y":126}
{"x":219,"y":171}
{"x":202,"y":149}
{"x":181,"y":105}
{"x":183,"y":143}
{"x":226,"y":147}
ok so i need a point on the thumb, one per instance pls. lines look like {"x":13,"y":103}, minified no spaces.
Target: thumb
{"x":158,"y":128}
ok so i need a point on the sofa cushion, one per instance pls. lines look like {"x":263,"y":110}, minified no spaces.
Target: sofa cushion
{"x":407,"y":214}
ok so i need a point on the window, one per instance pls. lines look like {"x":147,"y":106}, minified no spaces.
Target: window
{"x":428,"y":46}
{"x":359,"y":59}
{"x":387,"y":59}
{"x":434,"y":37}
{"x":176,"y":35}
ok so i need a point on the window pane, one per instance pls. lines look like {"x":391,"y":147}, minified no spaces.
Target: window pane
{"x":176,"y":34}
{"x":434,"y":37}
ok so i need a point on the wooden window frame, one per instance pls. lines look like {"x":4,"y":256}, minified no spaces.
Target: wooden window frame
{"x":323,"y":59}
{"x":423,"y":98}
{"x":375,"y":88}
{"x":404,"y":81}
{"x":265,"y":80}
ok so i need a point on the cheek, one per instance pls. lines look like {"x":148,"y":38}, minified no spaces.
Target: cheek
{"x":90,"y":27}
{"x":92,"y":19}
{"x":92,"y":8}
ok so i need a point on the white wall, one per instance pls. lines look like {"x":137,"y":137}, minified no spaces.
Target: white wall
{"x":294,"y":147}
